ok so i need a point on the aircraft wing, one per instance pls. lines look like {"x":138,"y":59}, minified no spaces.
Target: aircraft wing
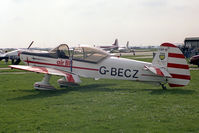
{"x":69,"y":76}
{"x":158,"y":71}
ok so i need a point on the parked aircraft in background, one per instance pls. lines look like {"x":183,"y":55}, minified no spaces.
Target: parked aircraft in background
{"x":126,"y":49}
{"x":1,"y":55}
{"x":168,"y":66}
{"x":1,"y":51}
{"x":13,"y":55}
{"x":114,"y":46}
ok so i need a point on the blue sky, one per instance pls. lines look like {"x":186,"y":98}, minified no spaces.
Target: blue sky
{"x":96,"y":22}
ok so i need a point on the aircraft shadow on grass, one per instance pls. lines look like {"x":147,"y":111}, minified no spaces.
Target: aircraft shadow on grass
{"x":36,"y":94}
{"x":169,"y":91}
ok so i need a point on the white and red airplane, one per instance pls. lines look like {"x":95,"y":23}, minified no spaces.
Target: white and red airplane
{"x":168,"y":66}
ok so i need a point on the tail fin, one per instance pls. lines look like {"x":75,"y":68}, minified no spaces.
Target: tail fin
{"x":171,"y":58}
{"x":127,"y":45}
{"x":115,"y":43}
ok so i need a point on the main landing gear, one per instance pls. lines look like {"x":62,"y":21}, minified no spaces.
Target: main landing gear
{"x":163,"y":86}
{"x":64,"y":83}
{"x":44,"y":84}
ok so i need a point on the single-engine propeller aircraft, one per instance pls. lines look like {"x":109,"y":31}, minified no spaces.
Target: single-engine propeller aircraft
{"x":168,"y":66}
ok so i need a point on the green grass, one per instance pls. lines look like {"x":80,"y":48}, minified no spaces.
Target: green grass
{"x":145,"y":59}
{"x":11,"y":70}
{"x":97,"y":106}
{"x":134,"y":56}
{"x":193,"y":66}
{"x":140,"y":59}
{"x":3,"y":65}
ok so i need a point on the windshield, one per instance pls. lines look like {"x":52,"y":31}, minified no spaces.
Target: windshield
{"x":88,"y":54}
{"x":62,"y":51}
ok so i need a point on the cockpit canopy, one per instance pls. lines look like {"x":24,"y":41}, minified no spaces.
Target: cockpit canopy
{"x":84,"y":54}
{"x":62,"y":51}
{"x":88,"y":54}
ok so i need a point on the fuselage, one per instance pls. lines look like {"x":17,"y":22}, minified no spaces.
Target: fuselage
{"x":109,"y":47}
{"x":109,"y":68}
{"x":168,"y":66}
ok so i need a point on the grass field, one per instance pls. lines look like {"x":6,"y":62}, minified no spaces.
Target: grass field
{"x":140,"y":59}
{"x":97,"y":106}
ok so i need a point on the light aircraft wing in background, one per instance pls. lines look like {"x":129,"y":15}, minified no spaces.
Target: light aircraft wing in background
{"x":110,"y":48}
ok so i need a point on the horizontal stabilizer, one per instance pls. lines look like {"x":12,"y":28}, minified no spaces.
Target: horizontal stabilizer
{"x":158,"y":71}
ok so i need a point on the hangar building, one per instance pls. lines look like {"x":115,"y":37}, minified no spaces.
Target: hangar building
{"x":191,"y":42}
{"x":191,"y":46}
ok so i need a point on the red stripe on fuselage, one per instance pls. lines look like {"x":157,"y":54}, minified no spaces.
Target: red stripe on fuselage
{"x":176,"y":55}
{"x":84,"y":68}
{"x":42,"y":63}
{"x":181,"y":66}
{"x":179,"y":76}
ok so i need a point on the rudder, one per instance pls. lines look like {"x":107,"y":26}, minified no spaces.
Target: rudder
{"x":171,"y":58}
{"x":115,"y":43}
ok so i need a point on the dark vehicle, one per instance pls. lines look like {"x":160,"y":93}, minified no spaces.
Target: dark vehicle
{"x":194,"y":60}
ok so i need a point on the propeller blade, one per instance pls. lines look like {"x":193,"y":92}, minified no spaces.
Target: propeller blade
{"x":30,"y":44}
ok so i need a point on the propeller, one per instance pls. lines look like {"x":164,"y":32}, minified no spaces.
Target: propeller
{"x":30,"y":44}
{"x":19,"y":60}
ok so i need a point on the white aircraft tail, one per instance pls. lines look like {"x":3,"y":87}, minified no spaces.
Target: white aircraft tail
{"x":170,"y":58}
{"x":115,"y":43}
{"x":127,"y":45}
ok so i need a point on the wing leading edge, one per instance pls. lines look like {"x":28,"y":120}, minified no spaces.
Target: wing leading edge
{"x":72,"y":78}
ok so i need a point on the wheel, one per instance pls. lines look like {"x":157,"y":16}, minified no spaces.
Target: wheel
{"x":163,"y":87}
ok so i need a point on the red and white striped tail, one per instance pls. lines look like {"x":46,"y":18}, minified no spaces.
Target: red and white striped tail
{"x":170,"y":57}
